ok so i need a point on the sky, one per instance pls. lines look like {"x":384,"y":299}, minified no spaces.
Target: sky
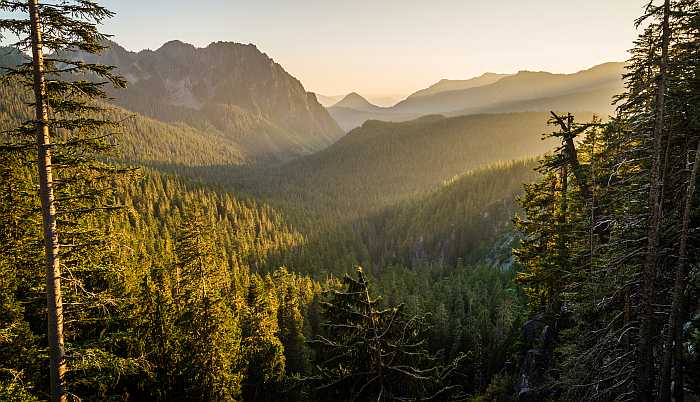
{"x":391,"y":47}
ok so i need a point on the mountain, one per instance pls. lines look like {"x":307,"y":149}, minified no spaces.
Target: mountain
{"x":382,"y":163}
{"x":10,"y":57}
{"x":327,"y":101}
{"x":353,"y":110}
{"x":457,"y":85}
{"x":385,"y":100}
{"x":229,"y":89}
{"x":589,"y":90}
{"x":355,"y":101}
{"x":379,"y":100}
{"x":141,"y":139}
{"x":349,"y":119}
{"x":598,"y":99}
{"x":523,"y":86}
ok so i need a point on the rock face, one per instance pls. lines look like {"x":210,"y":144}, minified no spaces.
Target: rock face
{"x":230,"y":89}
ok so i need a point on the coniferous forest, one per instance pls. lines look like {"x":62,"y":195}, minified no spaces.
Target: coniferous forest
{"x":189,"y":224}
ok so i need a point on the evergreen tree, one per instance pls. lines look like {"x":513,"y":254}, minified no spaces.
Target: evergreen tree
{"x":371,"y":353}
{"x":68,"y":135}
{"x":264,"y":353}
{"x":210,"y":338}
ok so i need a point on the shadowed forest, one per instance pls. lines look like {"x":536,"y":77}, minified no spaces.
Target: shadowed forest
{"x":190,"y":224}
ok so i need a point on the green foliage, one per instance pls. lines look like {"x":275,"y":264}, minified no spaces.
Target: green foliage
{"x":500,"y":389}
{"x":14,"y":390}
{"x":588,"y":255}
{"x":371,"y":352}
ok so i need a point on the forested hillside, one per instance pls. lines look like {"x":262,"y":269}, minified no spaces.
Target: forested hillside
{"x":610,"y":247}
{"x":199,"y":229}
{"x":142,"y":140}
{"x":383,"y":163}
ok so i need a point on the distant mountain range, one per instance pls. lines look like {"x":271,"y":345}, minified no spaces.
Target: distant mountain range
{"x":458,"y":85}
{"x":589,"y":90}
{"x":353,"y":110}
{"x":230,"y":89}
{"x":236,"y":105}
{"x":379,"y":100}
{"x":328,"y":101}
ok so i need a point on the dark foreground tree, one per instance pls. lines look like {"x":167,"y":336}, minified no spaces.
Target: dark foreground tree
{"x":630,"y":290}
{"x":373,"y":353}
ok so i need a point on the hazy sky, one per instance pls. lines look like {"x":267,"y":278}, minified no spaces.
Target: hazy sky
{"x":385,"y":47}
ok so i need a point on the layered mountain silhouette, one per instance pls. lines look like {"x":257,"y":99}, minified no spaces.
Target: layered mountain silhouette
{"x":524,"y":87}
{"x":458,"y":85}
{"x":229,"y":89}
{"x":328,"y":101}
{"x":378,"y":100}
{"x":353,"y":110}
{"x":589,"y":90}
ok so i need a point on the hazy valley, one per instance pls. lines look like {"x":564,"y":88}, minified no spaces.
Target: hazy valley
{"x":222,"y":233}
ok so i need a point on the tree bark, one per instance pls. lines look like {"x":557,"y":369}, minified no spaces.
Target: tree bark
{"x":48,"y":209}
{"x":673,"y":337}
{"x":645,"y":369}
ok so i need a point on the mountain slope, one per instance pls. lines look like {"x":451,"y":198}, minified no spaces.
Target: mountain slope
{"x":141,"y":139}
{"x":465,"y":218}
{"x":589,"y":90}
{"x":445,"y":85}
{"x":353,"y":110}
{"x":328,"y":101}
{"x":349,"y":118}
{"x":598,"y":100}
{"x":382,"y":163}
{"x":228,"y":88}
{"x":525,"y":85}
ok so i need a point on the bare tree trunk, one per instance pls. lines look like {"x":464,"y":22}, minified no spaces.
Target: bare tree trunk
{"x":602,"y":231}
{"x":674,"y":323}
{"x":645,"y":369}
{"x":555,"y":299}
{"x":572,"y":154}
{"x":48,"y":208}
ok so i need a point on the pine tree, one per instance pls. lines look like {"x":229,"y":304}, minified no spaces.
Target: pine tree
{"x":68,"y":137}
{"x":264,"y":353}
{"x":371,"y":353}
{"x":210,"y":343}
{"x":622,"y":281}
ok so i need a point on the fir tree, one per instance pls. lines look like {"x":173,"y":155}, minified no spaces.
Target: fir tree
{"x":68,"y":136}
{"x":371,"y":353}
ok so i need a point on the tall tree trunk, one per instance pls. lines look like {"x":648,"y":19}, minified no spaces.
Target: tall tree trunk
{"x":645,"y":369}
{"x":673,"y":337}
{"x":48,"y":208}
